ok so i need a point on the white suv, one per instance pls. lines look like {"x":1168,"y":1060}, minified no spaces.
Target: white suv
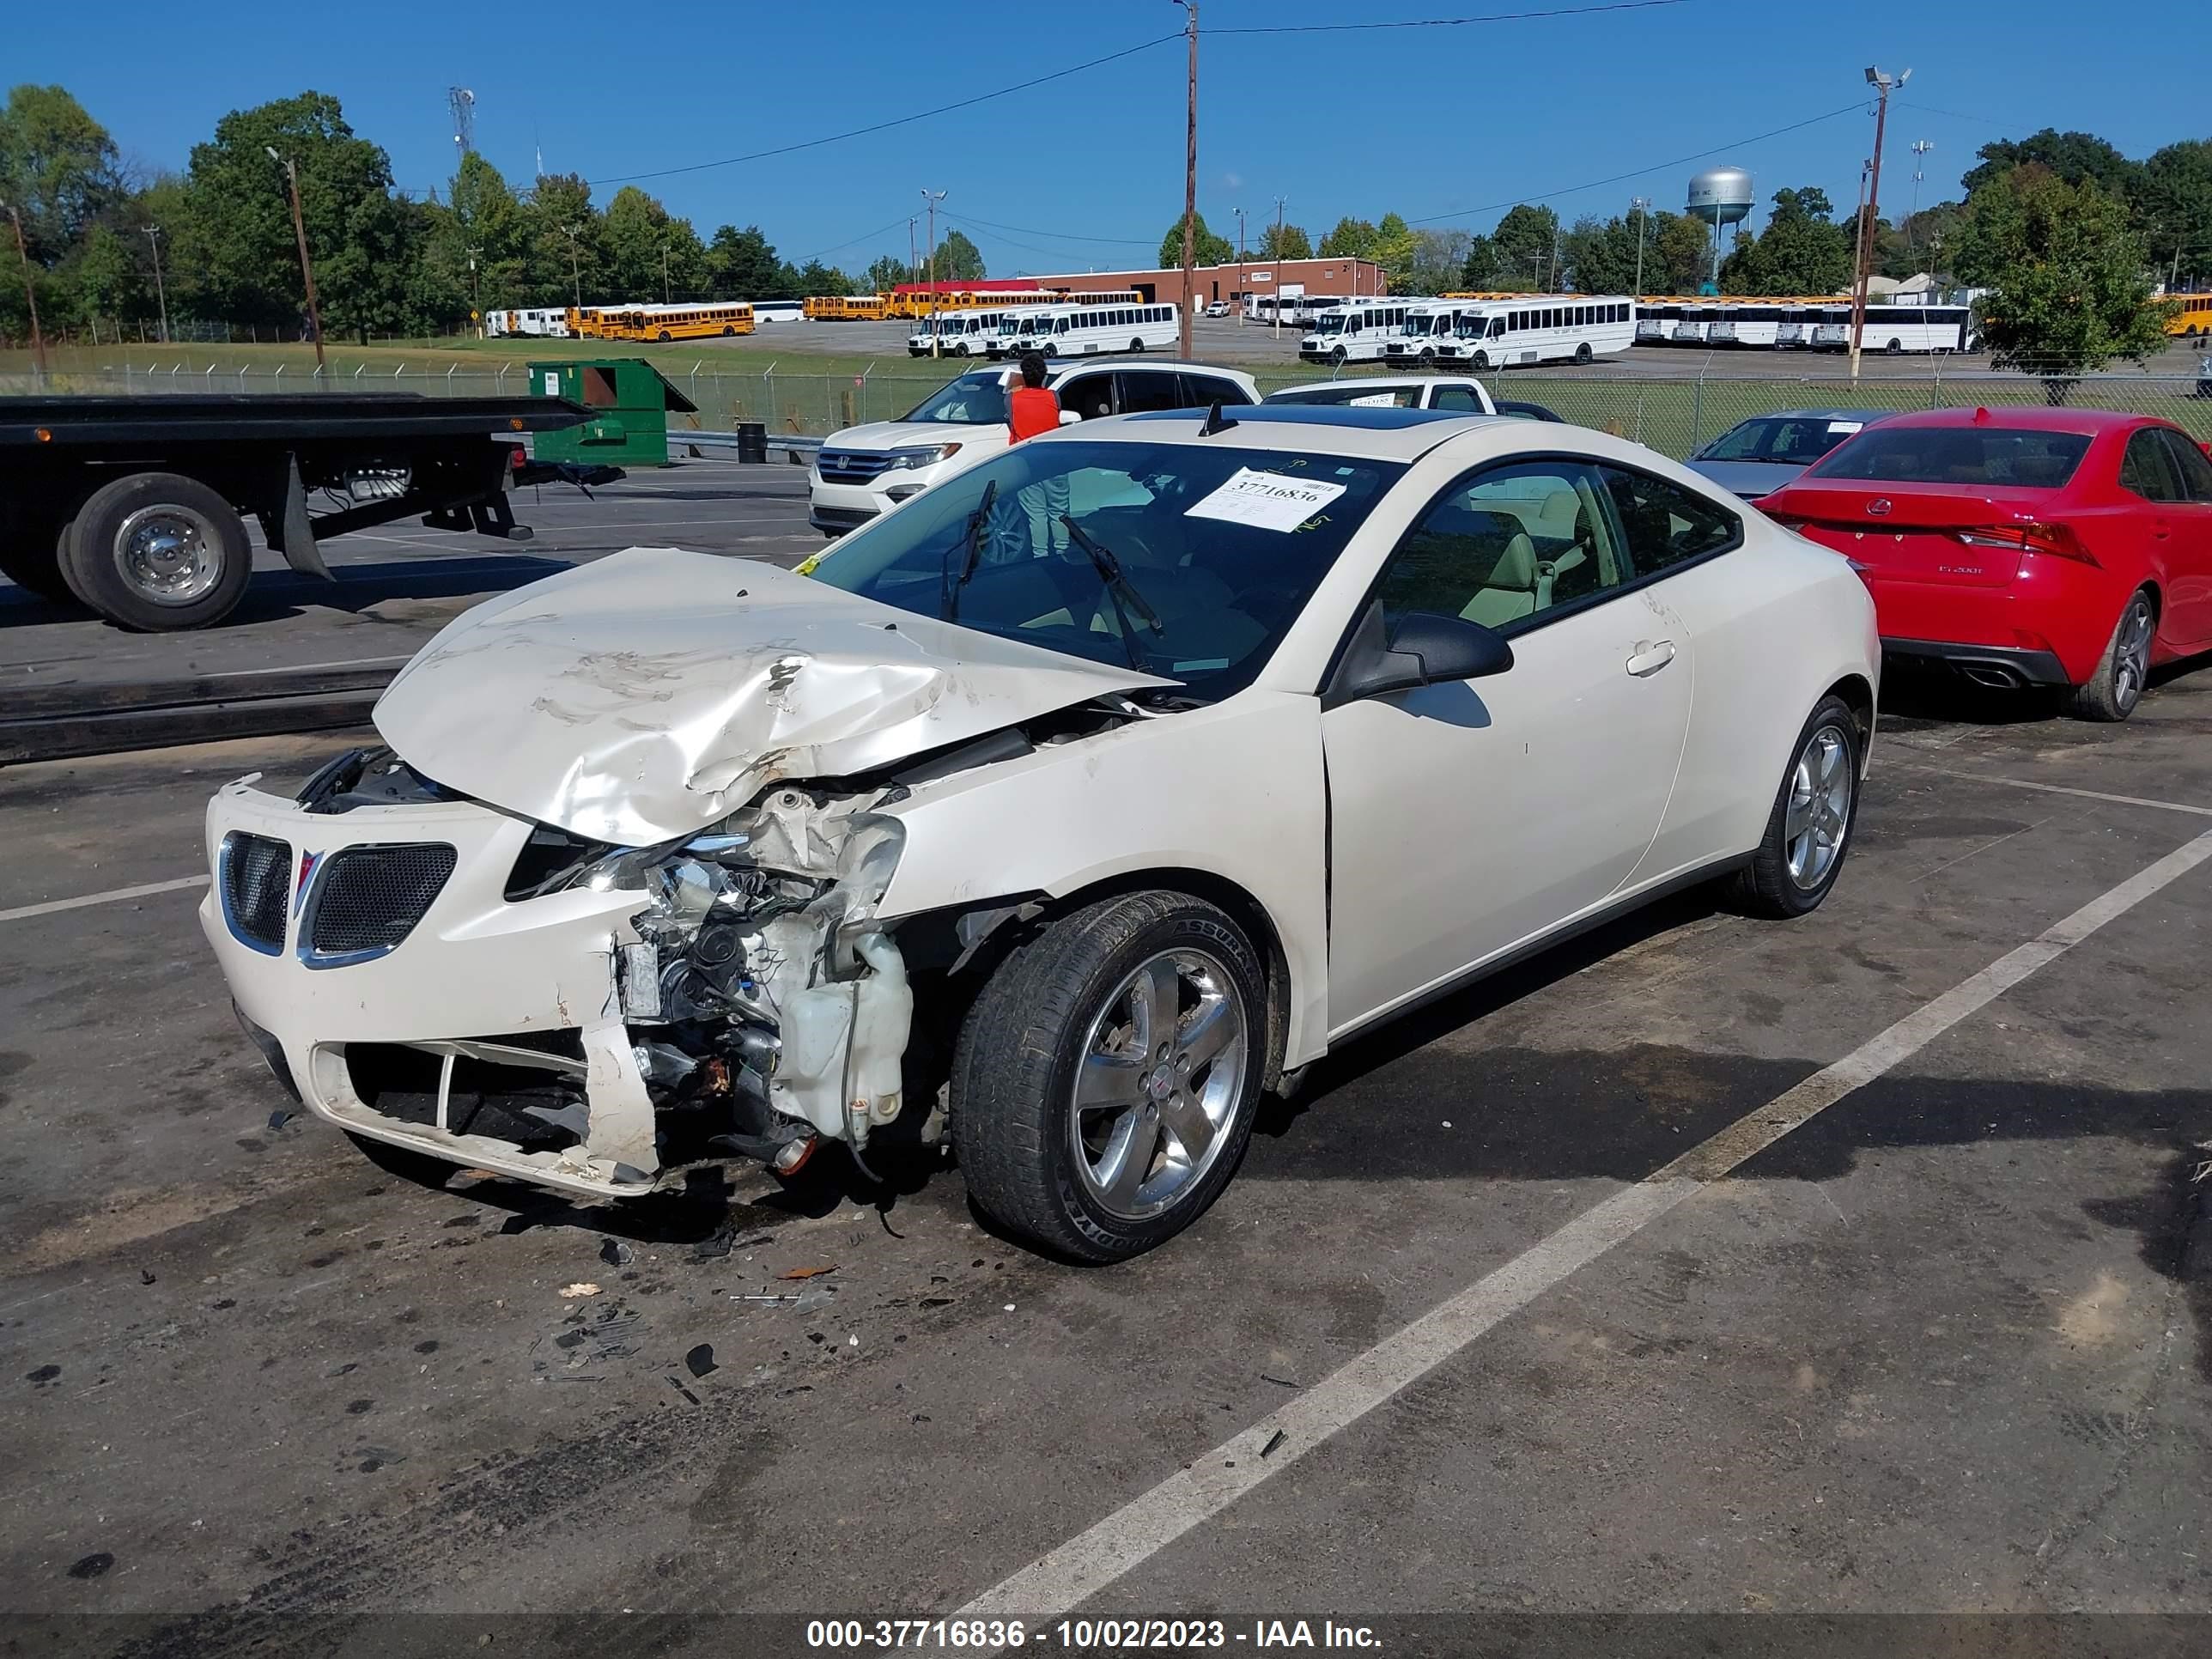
{"x":866,"y":471}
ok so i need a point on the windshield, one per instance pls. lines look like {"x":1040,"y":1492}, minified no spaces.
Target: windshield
{"x":1225,"y":574}
{"x":2017,"y":458}
{"x":1793,"y":439}
{"x":1355,"y":395}
{"x":1014,"y":324}
{"x":1470,"y":328}
{"x":977,"y":399}
{"x":1329,"y":322}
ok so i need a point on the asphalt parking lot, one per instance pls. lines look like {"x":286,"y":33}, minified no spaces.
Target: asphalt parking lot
{"x":1703,"y":1266}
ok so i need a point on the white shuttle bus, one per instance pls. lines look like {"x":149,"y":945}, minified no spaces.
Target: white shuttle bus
{"x":970,"y":333}
{"x":1900,"y":329}
{"x":546,"y":323}
{"x":1354,"y":333}
{"x":1428,"y":336}
{"x":1089,"y":331}
{"x":1693,"y":326}
{"x":778,"y":310}
{"x":1544,"y":328}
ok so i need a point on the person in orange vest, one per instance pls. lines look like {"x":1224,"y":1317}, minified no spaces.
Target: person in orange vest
{"x":1032,"y":409}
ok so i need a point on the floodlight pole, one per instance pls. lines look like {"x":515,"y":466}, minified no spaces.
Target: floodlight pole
{"x":1883,"y":85}
{"x":1189,"y":189}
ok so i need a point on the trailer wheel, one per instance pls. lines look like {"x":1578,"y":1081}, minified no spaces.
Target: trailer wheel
{"x":158,"y":552}
{"x":30,"y":554}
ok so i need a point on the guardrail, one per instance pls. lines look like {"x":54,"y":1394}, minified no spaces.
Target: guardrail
{"x":797,"y":449}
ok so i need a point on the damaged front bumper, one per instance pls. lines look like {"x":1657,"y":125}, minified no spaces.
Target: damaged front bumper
{"x":444,"y":976}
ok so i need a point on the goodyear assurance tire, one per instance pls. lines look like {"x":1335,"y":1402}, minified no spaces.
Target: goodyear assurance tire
{"x":158,"y":552}
{"x":1808,"y":832}
{"x":2117,"y":685}
{"x":1104,"y":1084}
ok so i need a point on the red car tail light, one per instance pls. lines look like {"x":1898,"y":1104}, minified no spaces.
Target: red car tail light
{"x":2058,"y":540}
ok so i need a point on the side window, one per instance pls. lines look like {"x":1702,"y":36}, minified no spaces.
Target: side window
{"x":1505,"y":547}
{"x":1665,"y":524}
{"x":2189,"y":461}
{"x":2146,"y":468}
{"x":1455,"y":396}
{"x":1089,"y":395}
{"x":1204,"y":391}
{"x":1142,"y":391}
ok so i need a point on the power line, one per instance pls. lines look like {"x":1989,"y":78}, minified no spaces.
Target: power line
{"x":1451,"y":22}
{"x":865,"y":236}
{"x":897,"y":121}
{"x":1054,"y":236}
{"x":1656,"y":166}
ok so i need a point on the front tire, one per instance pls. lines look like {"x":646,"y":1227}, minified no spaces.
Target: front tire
{"x":1583,"y":356}
{"x":1105,"y":1081}
{"x":1808,"y":832}
{"x":159,"y":552}
{"x":1482,"y":362}
{"x":2116,"y":687}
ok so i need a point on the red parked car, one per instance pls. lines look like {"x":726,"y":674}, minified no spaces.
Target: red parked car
{"x":2023,"y":546}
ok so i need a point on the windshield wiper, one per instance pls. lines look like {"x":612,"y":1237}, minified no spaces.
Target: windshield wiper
{"x":948,"y":595}
{"x":1118,"y":588}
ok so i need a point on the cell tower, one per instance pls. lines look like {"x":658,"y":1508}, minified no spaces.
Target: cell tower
{"x":463,"y":105}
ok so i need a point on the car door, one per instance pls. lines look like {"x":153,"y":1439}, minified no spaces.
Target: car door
{"x":1469,"y":816}
{"x":2189,"y":559}
{"x":2155,"y":528}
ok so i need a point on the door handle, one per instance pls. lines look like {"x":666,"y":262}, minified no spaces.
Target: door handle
{"x":1651,"y":657}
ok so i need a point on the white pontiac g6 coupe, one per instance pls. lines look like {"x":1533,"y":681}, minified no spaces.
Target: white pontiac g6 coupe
{"x":1069,"y":806}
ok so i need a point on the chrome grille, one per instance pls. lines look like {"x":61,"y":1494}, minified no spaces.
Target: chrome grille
{"x":366,"y":899}
{"x":255,"y":876}
{"x":850,"y":466}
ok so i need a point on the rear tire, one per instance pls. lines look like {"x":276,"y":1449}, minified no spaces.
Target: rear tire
{"x":1136,"y":345}
{"x":2112,"y":692}
{"x":1583,"y":354}
{"x":1068,"y":1087}
{"x":158,"y":552}
{"x":1809,"y":833}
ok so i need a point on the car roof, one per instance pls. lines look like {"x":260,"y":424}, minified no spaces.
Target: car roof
{"x":2089,"y":422}
{"x":1370,"y":383}
{"x":1869,"y":415}
{"x":1386,"y":434}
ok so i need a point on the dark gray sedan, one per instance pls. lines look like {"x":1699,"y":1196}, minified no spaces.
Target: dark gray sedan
{"x":1757,"y":457}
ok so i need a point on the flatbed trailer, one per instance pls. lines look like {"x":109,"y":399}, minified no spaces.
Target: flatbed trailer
{"x":136,"y":506}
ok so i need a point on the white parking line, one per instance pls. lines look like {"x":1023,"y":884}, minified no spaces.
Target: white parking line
{"x":1056,"y":1583}
{"x":2062,"y":789}
{"x":24,"y":912}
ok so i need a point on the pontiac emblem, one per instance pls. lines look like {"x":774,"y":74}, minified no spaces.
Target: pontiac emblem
{"x":1878,"y":506}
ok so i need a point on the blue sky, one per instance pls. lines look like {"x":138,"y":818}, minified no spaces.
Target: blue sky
{"x":1428,"y":122}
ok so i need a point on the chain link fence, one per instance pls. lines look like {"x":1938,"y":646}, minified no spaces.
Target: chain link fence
{"x":1673,"y":414}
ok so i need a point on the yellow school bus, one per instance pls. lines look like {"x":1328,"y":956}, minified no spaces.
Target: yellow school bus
{"x":700,"y":321}
{"x":2191,"y":316}
{"x":847,"y":308}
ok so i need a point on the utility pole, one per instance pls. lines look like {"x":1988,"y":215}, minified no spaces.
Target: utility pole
{"x":1189,"y":187}
{"x":1883,"y":85}
{"x":1280,"y":202}
{"x":1641,"y":207}
{"x":307,"y":267}
{"x":30,"y":294}
{"x":1240,"y":268}
{"x":933,"y":199}
{"x":575,"y":271}
{"x":666,"y":297}
{"x":1920,"y":149}
{"x":912,"y":253}
{"x":160,"y":293}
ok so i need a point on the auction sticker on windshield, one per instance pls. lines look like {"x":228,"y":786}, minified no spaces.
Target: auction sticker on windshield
{"x":1266,"y":501}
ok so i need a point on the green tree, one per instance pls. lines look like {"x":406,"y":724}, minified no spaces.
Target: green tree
{"x":634,"y":232}
{"x":485,"y":220}
{"x":1479,"y":272}
{"x":958,"y":259}
{"x":58,"y":165}
{"x":2068,"y":292}
{"x":103,"y":280}
{"x":2175,"y":208}
{"x":887,"y":273}
{"x":1684,"y":248}
{"x":1351,"y":239}
{"x":237,"y":231}
{"x":1914,"y":244}
{"x":1283,"y":241}
{"x":1600,"y":255}
{"x":1438,"y":257}
{"x":568,"y":268}
{"x":815,"y":277}
{"x":2075,"y":157}
{"x":1525,"y":243}
{"x":1801,"y":250}
{"x":741,"y":265}
{"x":1209,"y":249}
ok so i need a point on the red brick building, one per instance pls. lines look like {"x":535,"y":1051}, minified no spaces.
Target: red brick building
{"x":1351,"y":278}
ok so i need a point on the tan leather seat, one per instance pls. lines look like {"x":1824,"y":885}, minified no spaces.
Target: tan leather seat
{"x":1519,"y":585}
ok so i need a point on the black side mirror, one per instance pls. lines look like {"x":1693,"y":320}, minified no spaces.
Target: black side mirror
{"x":1423,"y":649}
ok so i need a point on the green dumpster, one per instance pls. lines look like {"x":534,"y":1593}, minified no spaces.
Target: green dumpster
{"x":629,"y":400}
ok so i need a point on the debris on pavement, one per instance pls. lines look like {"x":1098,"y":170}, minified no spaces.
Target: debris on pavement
{"x":581,"y":1287}
{"x":808,"y":1273}
{"x":616,"y":1253}
{"x":1273,"y":1441}
{"x":700,"y":1359}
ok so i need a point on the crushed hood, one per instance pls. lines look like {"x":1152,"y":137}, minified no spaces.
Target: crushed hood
{"x":651,"y":694}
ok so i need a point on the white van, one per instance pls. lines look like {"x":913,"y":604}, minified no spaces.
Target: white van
{"x":866,"y":471}
{"x":1355,"y":332}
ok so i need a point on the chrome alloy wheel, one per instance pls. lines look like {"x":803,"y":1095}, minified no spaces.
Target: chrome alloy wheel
{"x":1162,"y":1069}
{"x":1820,"y":810}
{"x":169,"y":553}
{"x":2132,"y":654}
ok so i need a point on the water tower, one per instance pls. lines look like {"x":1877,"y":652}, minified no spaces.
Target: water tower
{"x":1721,"y":197}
